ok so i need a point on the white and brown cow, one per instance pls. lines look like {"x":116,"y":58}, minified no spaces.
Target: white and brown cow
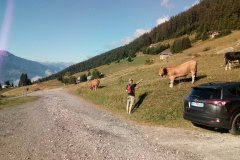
{"x":231,"y":57}
{"x":179,"y":71}
{"x":94,"y":84}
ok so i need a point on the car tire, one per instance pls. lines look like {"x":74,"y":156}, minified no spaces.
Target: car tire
{"x":235,"y":130}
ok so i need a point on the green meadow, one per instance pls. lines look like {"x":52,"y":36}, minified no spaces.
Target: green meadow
{"x":4,"y":103}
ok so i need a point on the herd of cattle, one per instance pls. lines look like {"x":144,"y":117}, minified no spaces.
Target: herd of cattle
{"x":183,"y":69}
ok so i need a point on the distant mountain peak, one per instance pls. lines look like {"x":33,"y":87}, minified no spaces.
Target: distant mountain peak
{"x":3,"y":53}
{"x":12,"y":67}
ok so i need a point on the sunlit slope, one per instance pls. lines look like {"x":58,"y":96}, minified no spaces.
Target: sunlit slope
{"x":156,"y":103}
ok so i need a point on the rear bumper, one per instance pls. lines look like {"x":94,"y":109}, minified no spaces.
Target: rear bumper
{"x":208,"y":121}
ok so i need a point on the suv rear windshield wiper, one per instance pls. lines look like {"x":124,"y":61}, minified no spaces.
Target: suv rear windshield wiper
{"x":194,"y":96}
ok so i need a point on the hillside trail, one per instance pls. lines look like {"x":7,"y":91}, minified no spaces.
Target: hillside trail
{"x":62,"y":126}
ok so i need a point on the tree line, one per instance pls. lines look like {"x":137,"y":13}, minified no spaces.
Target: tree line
{"x":207,"y":16}
{"x":24,"y":81}
{"x":83,"y":78}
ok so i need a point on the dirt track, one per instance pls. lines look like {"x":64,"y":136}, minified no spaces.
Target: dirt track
{"x":62,"y":126}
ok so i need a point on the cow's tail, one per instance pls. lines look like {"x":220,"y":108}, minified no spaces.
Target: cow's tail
{"x":224,"y":63}
{"x":196,"y":72}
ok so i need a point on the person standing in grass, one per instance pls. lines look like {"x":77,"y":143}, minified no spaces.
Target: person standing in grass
{"x":130,"y":89}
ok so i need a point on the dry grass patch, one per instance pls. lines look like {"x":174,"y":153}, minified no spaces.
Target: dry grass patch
{"x":18,"y":91}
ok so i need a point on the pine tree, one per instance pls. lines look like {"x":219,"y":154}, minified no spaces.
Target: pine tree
{"x":60,"y":78}
{"x":7,"y":82}
{"x":95,"y":74}
{"x":24,"y":81}
{"x":180,"y":45}
{"x":83,"y":78}
{"x":72,"y":80}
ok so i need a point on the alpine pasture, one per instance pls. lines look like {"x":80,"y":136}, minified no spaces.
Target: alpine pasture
{"x":155,"y":102}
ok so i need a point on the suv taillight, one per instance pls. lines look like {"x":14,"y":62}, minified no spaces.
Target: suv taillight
{"x":217,"y":102}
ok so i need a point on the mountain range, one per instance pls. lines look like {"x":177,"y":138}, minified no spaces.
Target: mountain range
{"x":11,"y":68}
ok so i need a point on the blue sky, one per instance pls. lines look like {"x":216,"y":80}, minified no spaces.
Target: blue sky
{"x":75,"y":30}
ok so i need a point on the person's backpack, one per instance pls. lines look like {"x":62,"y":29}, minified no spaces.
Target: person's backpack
{"x":129,"y":89}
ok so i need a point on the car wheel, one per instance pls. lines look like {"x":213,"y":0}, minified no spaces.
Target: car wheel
{"x":236,"y":125}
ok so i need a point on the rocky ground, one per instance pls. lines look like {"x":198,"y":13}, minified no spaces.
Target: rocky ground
{"x":62,"y":126}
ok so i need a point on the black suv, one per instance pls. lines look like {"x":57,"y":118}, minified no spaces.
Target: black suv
{"x":215,"y":104}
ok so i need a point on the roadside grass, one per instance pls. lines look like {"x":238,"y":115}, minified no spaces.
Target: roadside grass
{"x":4,"y":91}
{"x":155,"y":102}
{"x":4,"y":103}
{"x":8,"y":96}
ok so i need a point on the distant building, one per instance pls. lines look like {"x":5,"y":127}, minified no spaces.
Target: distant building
{"x":89,"y":78}
{"x":165,"y":55}
{"x":6,"y":86}
{"x":214,"y":33}
{"x":152,"y":45}
{"x":78,"y":80}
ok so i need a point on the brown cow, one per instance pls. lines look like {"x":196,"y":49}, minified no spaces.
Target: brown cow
{"x":94,"y":84}
{"x":179,"y":71}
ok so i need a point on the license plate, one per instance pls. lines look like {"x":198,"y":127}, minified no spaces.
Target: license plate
{"x":195,"y":104}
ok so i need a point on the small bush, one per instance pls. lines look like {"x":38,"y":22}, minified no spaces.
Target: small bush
{"x":148,"y":61}
{"x":95,"y":74}
{"x":129,"y":59}
{"x":83,"y":78}
{"x":72,"y":80}
{"x":206,"y":49}
{"x":196,"y":55}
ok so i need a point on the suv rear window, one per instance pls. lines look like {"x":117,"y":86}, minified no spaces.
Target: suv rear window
{"x":234,"y":91}
{"x":205,"y":93}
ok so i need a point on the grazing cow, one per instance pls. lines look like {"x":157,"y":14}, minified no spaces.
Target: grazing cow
{"x":179,"y":71}
{"x":94,"y":84}
{"x":230,"y":57}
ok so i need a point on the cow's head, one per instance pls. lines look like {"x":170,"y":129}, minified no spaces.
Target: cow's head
{"x":91,"y":88}
{"x":162,"y":71}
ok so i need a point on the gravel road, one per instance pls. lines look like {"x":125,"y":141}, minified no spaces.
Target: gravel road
{"x":62,"y":126}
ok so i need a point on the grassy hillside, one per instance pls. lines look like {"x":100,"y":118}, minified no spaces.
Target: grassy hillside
{"x":155,"y":102}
